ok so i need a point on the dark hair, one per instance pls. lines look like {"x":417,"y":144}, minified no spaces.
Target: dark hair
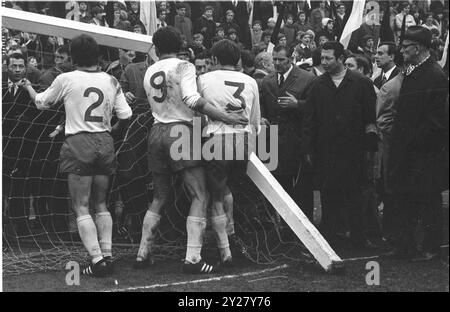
{"x":392,"y":47}
{"x":248,"y":58}
{"x":266,"y":33}
{"x":16,"y":56}
{"x":208,"y":7}
{"x":180,"y":6}
{"x":142,"y":27}
{"x":167,"y":40}
{"x":362,"y":62}
{"x":96,"y":10}
{"x":317,"y":56}
{"x":203,"y":55}
{"x":336,"y":46}
{"x":232,"y":31}
{"x":227,"y":52}
{"x":289,"y":50}
{"x":257,"y":22}
{"x":84,"y":50}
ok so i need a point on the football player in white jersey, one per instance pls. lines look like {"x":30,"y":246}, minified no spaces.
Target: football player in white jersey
{"x":90,"y":96}
{"x":226,"y":88}
{"x":171,"y":90}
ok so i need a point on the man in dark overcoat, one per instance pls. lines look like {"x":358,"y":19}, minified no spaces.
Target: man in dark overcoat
{"x":339,"y":132}
{"x":417,"y":157}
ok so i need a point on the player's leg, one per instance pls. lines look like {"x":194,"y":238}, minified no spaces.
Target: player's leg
{"x":228,"y":202}
{"x":161,"y":197}
{"x":194,"y":180}
{"x":103,"y":219}
{"x":80,"y":190}
{"x":219,"y":220}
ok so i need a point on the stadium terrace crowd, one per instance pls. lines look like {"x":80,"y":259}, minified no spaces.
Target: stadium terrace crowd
{"x":367,"y":126}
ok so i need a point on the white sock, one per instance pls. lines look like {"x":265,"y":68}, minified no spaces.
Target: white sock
{"x":88,"y":234}
{"x":228,"y":207}
{"x":219,"y":225}
{"x":149,"y":227}
{"x":104,"y":223}
{"x":195,"y":229}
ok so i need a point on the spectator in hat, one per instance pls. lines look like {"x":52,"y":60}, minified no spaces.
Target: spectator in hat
{"x":417,"y":155}
{"x":271,"y":22}
{"x":327,"y":29}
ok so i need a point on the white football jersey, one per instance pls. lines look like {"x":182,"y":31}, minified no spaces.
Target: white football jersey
{"x":233,"y":90}
{"x":170,"y":85}
{"x":89,"y":100}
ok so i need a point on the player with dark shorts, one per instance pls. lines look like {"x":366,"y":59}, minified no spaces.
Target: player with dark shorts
{"x":171,"y":90}
{"x":87,"y":156}
{"x":229,"y":89}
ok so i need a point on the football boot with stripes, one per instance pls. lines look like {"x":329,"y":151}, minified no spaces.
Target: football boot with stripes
{"x":199,"y":268}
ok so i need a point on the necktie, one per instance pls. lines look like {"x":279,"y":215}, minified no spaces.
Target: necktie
{"x":281,"y":82}
{"x":383,"y":79}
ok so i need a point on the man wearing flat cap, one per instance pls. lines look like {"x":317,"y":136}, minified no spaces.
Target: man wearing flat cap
{"x":416,"y":168}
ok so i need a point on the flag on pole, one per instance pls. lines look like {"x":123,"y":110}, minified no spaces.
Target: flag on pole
{"x":354,"y":22}
{"x":276,"y":31}
{"x":444,"y":54}
{"x":148,"y":16}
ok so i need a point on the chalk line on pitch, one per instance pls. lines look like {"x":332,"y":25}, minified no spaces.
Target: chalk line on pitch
{"x":212,"y":279}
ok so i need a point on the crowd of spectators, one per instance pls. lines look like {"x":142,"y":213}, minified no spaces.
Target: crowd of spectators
{"x":303,"y":33}
{"x":249,"y":24}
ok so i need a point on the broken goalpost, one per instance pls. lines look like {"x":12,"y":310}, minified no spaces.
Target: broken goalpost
{"x":256,"y":170}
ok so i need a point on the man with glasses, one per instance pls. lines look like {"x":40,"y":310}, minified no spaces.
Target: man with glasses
{"x":416,"y":164}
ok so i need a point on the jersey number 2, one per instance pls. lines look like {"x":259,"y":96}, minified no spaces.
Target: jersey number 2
{"x":87,"y":116}
{"x":240,"y":87}
{"x":160,"y":86}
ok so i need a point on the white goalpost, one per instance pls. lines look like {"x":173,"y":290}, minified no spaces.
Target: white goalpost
{"x":256,"y":170}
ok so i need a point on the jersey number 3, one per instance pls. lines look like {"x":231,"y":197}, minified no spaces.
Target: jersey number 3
{"x":240,"y":87}
{"x":161,"y":85}
{"x":87,"y":116}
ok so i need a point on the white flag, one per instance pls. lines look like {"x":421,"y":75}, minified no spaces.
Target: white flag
{"x":444,"y":55}
{"x":148,"y":16}
{"x":354,"y":22}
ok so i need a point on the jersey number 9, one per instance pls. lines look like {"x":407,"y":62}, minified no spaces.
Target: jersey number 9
{"x":159,"y":84}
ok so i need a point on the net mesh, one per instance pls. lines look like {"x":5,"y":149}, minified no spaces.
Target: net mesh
{"x":39,"y":227}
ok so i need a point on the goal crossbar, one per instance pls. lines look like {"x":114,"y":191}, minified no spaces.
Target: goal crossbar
{"x":68,"y":29}
{"x":256,"y":170}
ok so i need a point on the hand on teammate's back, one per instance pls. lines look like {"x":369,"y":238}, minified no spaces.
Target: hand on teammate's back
{"x":235,"y":117}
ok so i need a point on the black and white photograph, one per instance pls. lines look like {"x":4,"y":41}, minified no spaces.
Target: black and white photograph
{"x":225,"y":152}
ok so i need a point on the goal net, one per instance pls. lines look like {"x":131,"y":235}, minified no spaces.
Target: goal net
{"x":39,"y":227}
